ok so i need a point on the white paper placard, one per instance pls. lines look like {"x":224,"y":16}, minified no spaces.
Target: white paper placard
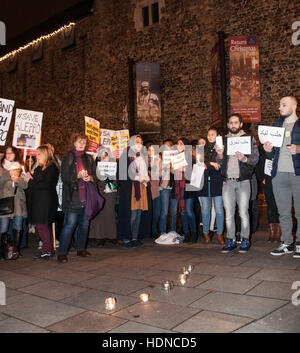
{"x":219,"y":141}
{"x":197,"y":176}
{"x":268,"y":166}
{"x":107,"y":168}
{"x":178,"y":160}
{"x":6,"y":111}
{"x":272,"y":134}
{"x":167,"y":156}
{"x":239,"y":144}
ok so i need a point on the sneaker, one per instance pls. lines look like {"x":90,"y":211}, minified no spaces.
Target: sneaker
{"x":42,"y":256}
{"x":297,"y":251}
{"x":40,"y":245}
{"x":282,"y":250}
{"x":136,"y":243}
{"x":245,"y":246}
{"x":128,"y":245}
{"x":229,"y":246}
{"x":238,"y":238}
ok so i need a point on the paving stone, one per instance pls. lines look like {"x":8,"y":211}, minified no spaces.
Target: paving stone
{"x":114,"y":284}
{"x":66,"y":276}
{"x":225,"y":259}
{"x":256,"y":328}
{"x":211,"y":322}
{"x":15,"y":280}
{"x":174,"y":265}
{"x":134,"y":327}
{"x":269,"y":261}
{"x":235,"y":304}
{"x":12,"y":325}
{"x":3,"y":317}
{"x":178,"y":295}
{"x":157,"y":314}
{"x":39,"y":311}
{"x":230,"y":285}
{"x":95,"y":300}
{"x":53,"y":290}
{"x":193,"y":280}
{"x":270,"y":289}
{"x":88,"y":322}
{"x":266,"y":274}
{"x":285,"y":319}
{"x":225,"y":270}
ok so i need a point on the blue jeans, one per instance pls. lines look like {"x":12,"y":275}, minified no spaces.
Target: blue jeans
{"x":188,"y":218}
{"x":70,"y":222}
{"x":156,"y":207}
{"x":165,"y":196}
{"x":205,"y":203}
{"x":17,"y":224}
{"x":135,"y":225}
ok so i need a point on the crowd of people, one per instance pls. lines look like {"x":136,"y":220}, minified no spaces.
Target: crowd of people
{"x":149,"y":197}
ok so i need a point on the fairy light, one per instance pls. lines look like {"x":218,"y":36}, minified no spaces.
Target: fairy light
{"x":47,"y":36}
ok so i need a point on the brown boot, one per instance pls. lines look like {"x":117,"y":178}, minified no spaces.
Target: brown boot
{"x":272,"y":229}
{"x":277,"y":234}
{"x":206,"y":238}
{"x":221,"y":239}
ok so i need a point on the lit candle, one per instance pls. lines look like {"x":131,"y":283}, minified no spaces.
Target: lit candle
{"x":190,"y":268}
{"x":182,"y":279}
{"x":168,"y":285}
{"x":23,"y":169}
{"x":185,"y":270}
{"x":144,"y":297}
{"x":110,"y":303}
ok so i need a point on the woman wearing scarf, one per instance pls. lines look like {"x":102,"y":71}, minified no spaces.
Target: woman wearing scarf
{"x":133,"y":199}
{"x":212,"y":189}
{"x":183,"y":195}
{"x":77,"y":169}
{"x":104,"y":227}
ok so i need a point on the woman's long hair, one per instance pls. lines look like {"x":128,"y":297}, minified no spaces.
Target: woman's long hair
{"x":16,"y":153}
{"x":48,"y":156}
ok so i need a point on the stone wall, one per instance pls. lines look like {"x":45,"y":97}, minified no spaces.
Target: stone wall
{"x":91,"y":78}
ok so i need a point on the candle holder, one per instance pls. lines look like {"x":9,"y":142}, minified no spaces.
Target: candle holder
{"x":144,"y":297}
{"x":110,"y":303}
{"x":183,"y":279}
{"x":167,"y":285}
{"x":185,"y":270}
{"x":190,"y":268}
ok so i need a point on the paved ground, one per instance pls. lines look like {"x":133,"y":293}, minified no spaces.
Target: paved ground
{"x":225,"y":293}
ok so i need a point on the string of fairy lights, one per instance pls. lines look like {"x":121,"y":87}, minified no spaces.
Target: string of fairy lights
{"x":36,"y":41}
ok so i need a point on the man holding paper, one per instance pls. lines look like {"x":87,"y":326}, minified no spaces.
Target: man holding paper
{"x":286,"y":175}
{"x":236,"y":170}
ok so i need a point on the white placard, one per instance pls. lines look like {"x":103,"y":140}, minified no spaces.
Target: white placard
{"x":239,"y":144}
{"x":28,"y":128}
{"x":268,"y":166}
{"x":107,"y":168}
{"x":197,"y":176}
{"x":178,"y":160}
{"x":219,"y":142}
{"x":167,"y":156}
{"x":272,"y":134}
{"x":6,"y":110}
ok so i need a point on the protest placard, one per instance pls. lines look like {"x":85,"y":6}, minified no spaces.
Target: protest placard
{"x":6,"y":110}
{"x":167,"y":157}
{"x":92,"y":131}
{"x":178,"y":160}
{"x":272,"y":134}
{"x":119,"y":141}
{"x":28,"y":128}
{"x":108,"y":169}
{"x":239,"y":144}
{"x":268,"y":167}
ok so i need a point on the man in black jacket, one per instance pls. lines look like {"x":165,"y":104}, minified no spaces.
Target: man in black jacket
{"x":236,"y":171}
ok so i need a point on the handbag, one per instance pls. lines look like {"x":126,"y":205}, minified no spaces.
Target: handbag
{"x":94,"y":201}
{"x":7,"y":204}
{"x":9,"y":250}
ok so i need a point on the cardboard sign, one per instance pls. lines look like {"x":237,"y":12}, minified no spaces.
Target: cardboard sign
{"x":116,"y":141}
{"x":6,"y":111}
{"x":28,"y":128}
{"x":239,"y":144}
{"x":272,"y":134}
{"x":92,"y":131}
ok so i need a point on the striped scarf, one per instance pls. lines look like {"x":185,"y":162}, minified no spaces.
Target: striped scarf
{"x":179,"y":189}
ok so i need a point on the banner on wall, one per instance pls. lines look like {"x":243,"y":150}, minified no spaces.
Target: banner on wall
{"x":216,"y":119}
{"x":116,"y":141}
{"x":6,"y":111}
{"x":27,"y":130}
{"x":245,"y":78}
{"x":148,"y":119}
{"x":92,"y":131}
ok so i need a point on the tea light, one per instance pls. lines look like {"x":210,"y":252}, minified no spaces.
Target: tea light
{"x":144,"y":297}
{"x":110,"y":303}
{"x":185,"y":270}
{"x":190,"y":268}
{"x":183,"y":279}
{"x":168,"y":285}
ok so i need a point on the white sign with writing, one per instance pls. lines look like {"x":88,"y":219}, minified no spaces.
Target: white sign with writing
{"x":167,"y":156}
{"x":6,"y":110}
{"x":107,"y":168}
{"x":28,"y":128}
{"x":272,"y":134}
{"x":178,"y":160}
{"x":219,"y":142}
{"x":268,"y":166}
{"x":239,"y":144}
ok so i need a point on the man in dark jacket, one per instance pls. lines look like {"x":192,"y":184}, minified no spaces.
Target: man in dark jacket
{"x":286,"y":175}
{"x":236,"y":171}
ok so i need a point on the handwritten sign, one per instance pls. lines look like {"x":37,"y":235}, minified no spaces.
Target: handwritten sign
{"x":28,"y":128}
{"x":6,"y":110}
{"x":272,"y":134}
{"x":107,"y":169}
{"x":116,"y":141}
{"x":178,"y":160}
{"x":167,"y":157}
{"x":239,"y":144}
{"x":92,"y":131}
{"x":268,"y":167}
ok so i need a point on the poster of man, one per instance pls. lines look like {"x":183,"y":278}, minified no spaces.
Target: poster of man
{"x":148,"y":98}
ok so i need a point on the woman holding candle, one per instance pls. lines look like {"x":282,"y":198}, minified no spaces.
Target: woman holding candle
{"x":77,"y":169}
{"x":42,"y":199}
{"x":12,"y":184}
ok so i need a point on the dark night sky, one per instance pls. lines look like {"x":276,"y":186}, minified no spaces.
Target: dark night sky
{"x":20,"y":16}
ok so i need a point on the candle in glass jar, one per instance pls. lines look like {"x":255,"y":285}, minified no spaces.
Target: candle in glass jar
{"x":167,"y":285}
{"x":110,"y":303}
{"x":190,"y":268}
{"x":182,"y":279}
{"x":144,"y":297}
{"x":185,"y":270}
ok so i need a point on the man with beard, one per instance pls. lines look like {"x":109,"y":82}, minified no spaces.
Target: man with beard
{"x":286,"y":175}
{"x":236,"y":171}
